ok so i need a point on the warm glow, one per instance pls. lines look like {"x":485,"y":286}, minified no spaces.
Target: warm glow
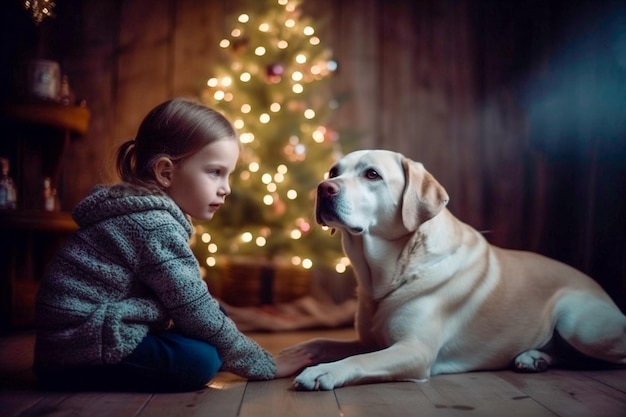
{"x":309,"y":113}
{"x":308,"y":31}
{"x":238,"y":123}
{"x":266,"y":178}
{"x":245,"y":77}
{"x":254,"y":166}
{"x":296,"y":260}
{"x":290,"y":23}
{"x":212,"y":248}
{"x":227,"y":81}
{"x":243,"y":18}
{"x":206,"y":238}
{"x":260,"y":241}
{"x":264,"y":27}
{"x":212,"y":82}
{"x":246,"y":137}
{"x":236,"y":32}
{"x":297,"y":76}
{"x":300,"y":58}
{"x":210,"y":261}
{"x":246,"y":108}
{"x":268,"y":200}
{"x":292,"y":194}
{"x":281,"y":169}
{"x":295,"y":234}
{"x":259,"y":51}
{"x":218,"y":95}
{"x":282,"y":44}
{"x":275,"y":107}
{"x":246,"y":237}
{"x":297,"y":88}
{"x":314,"y":40}
{"x":340,"y":268}
{"x":271,"y":187}
{"x":278,"y":177}
{"x":264,"y":118}
{"x":318,"y":136}
{"x":224,"y":43}
{"x":307,"y":263}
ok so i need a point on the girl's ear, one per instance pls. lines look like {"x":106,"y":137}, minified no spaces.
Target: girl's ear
{"x":163,"y":171}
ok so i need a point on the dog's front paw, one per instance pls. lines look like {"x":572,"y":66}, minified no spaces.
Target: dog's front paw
{"x":320,"y":377}
{"x":532,"y":361}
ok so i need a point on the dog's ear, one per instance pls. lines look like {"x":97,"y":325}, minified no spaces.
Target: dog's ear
{"x":423,"y":196}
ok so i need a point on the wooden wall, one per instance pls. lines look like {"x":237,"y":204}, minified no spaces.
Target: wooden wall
{"x":517,"y":107}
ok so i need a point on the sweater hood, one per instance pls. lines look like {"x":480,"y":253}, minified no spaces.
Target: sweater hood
{"x":107,"y":201}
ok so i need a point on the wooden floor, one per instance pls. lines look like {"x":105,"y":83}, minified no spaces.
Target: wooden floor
{"x":501,"y":394}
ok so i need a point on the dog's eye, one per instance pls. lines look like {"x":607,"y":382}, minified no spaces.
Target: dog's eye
{"x":332,"y":173}
{"x":372,"y":174}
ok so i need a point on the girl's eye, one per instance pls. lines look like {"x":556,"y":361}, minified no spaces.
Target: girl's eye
{"x":372,"y":174}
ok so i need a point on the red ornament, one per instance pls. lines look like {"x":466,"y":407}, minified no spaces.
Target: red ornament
{"x":274,"y":73}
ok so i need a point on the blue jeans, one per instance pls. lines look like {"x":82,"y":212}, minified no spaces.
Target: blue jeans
{"x":162,"y":362}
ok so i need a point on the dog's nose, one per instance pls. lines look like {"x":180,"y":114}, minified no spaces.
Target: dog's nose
{"x":327,"y":189}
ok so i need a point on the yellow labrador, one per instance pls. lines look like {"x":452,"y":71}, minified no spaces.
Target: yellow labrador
{"x":434,"y":296}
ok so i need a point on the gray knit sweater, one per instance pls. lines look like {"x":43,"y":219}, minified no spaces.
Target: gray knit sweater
{"x":129,"y":270}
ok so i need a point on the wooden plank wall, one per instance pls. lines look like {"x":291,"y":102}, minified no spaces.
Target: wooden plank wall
{"x":454,"y":84}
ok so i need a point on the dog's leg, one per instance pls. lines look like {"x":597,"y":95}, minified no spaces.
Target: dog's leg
{"x":401,"y":361}
{"x":593,"y":326}
{"x":330,"y":350}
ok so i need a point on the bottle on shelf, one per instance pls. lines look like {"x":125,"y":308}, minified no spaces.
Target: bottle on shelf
{"x":50,"y":200}
{"x":8,"y":192}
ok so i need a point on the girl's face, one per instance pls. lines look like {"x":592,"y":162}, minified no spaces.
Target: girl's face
{"x":200,"y":184}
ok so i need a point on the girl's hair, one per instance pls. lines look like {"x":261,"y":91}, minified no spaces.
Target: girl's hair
{"x":176,"y":129}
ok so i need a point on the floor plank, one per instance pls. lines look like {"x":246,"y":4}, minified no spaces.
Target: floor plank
{"x":482,"y":394}
{"x":277,"y":397}
{"x":571,"y":393}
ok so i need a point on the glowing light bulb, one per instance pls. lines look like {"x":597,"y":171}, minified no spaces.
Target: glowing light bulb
{"x":282,"y":169}
{"x":212,"y":82}
{"x":282,"y":44}
{"x":245,"y":77}
{"x":206,"y":237}
{"x":254,"y":166}
{"x":268,"y":200}
{"x":246,"y":108}
{"x":297,"y":88}
{"x":238,"y":123}
{"x":278,"y":177}
{"x":246,"y":237}
{"x":314,"y":40}
{"x":210,"y":261}
{"x":275,"y":107}
{"x":224,"y":43}
{"x":260,"y":241}
{"x":301,"y":58}
{"x":309,"y":113}
{"x":292,"y":194}
{"x":295,"y":234}
{"x":212,"y":248}
{"x":297,"y":76}
{"x":308,"y":30}
{"x":290,"y":23}
{"x":307,"y":263}
{"x":271,"y":187}
{"x":264,"y":27}
{"x":264,"y":118}
{"x":259,"y":51}
{"x":243,"y":18}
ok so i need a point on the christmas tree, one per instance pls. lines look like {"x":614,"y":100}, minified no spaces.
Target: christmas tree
{"x":273,"y":83}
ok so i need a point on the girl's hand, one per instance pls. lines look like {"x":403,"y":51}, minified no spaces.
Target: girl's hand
{"x":291,"y":361}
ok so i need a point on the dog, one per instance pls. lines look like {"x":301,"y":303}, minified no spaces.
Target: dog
{"x":434,"y":297}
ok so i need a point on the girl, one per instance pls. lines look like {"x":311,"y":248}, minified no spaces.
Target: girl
{"x":123,"y":306}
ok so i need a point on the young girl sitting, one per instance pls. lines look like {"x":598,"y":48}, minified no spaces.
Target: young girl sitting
{"x":123,"y":306}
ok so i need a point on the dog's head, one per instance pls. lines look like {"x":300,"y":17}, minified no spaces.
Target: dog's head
{"x":378,"y":192}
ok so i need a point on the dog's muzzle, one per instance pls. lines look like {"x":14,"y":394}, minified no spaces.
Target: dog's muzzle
{"x":326,"y":203}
